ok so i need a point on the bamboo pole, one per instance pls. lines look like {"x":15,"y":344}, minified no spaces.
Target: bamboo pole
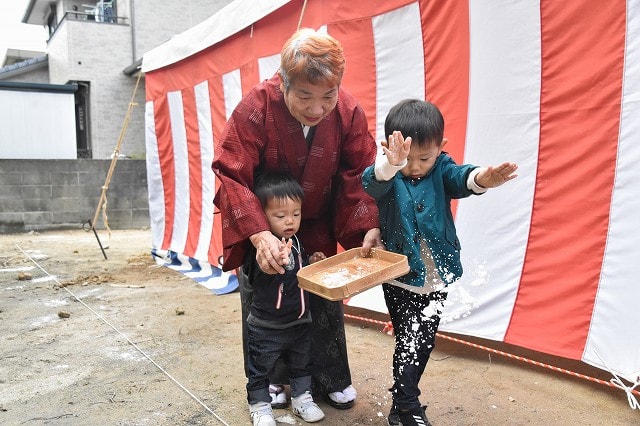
{"x":102,"y":204}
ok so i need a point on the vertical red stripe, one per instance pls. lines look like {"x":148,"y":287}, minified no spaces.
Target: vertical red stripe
{"x":446,"y":24}
{"x":167,"y":167}
{"x":359,"y":78}
{"x":218,"y":118}
{"x":195,"y":171}
{"x":445,"y":33}
{"x":249,"y":76}
{"x":582,"y":66}
{"x":218,"y":108}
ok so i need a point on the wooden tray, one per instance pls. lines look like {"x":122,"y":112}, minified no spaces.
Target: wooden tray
{"x":346,"y":274}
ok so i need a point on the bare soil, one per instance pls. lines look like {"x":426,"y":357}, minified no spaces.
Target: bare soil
{"x":121,"y":341}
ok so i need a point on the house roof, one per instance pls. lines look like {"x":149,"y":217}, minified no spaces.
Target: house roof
{"x":36,"y":12}
{"x":23,"y":67}
{"x":38,"y":87}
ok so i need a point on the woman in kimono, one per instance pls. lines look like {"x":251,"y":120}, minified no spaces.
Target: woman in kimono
{"x":302,"y":122}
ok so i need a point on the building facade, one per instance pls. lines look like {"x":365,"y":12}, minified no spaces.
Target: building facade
{"x":96,"y":46}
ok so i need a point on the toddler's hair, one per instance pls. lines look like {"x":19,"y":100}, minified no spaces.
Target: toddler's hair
{"x":421,"y":120}
{"x":269,"y":185}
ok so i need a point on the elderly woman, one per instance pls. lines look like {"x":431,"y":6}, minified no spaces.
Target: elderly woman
{"x":302,"y":122}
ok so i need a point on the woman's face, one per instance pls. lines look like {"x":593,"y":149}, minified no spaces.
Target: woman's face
{"x":310,"y":103}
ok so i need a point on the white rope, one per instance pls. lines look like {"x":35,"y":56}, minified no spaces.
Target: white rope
{"x":125,"y":337}
{"x":618,"y":383}
{"x":304,"y":6}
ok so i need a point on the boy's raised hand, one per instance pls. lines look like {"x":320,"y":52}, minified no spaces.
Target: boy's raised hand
{"x":492,"y":176}
{"x":396,"y":148}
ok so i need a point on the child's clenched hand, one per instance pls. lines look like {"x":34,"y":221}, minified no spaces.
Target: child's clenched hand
{"x":317,"y":257}
{"x":284,"y":251}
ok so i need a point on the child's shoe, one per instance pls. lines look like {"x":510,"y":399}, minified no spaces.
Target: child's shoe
{"x":416,"y":417}
{"x":278,"y":396}
{"x":304,"y":407}
{"x":262,"y":414}
{"x":393,"y":419}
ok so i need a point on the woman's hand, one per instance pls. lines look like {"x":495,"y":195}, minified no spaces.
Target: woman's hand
{"x":372,"y":239}
{"x":268,"y":253}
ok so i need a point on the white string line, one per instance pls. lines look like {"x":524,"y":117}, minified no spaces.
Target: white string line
{"x":125,"y":337}
{"x":304,"y":6}
{"x":617,"y":382}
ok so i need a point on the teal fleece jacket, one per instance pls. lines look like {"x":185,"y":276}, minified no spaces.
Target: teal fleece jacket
{"x":411,"y":210}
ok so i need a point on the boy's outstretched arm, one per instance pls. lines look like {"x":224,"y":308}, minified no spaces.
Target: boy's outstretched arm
{"x":493,"y":176}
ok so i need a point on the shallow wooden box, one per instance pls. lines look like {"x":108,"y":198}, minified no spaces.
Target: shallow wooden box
{"x":346,"y":274}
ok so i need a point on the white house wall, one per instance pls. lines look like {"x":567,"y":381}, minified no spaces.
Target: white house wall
{"x":37,"y":125}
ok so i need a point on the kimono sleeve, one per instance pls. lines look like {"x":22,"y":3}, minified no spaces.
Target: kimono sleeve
{"x":355,"y":211}
{"x":235,"y":161}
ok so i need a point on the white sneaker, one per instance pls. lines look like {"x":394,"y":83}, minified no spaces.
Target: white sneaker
{"x":262,"y":414}
{"x":304,"y":407}
{"x":278,"y":396}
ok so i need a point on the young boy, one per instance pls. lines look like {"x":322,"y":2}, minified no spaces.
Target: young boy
{"x":413,"y":184}
{"x":279,"y":320}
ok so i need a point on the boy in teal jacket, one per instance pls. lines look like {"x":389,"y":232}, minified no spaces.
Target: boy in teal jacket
{"x":413,"y":184}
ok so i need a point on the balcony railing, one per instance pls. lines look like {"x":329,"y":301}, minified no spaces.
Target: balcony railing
{"x":74,"y":15}
{"x":95,"y":16}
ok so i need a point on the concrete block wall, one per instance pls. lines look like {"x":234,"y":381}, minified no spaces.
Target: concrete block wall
{"x":38,"y":195}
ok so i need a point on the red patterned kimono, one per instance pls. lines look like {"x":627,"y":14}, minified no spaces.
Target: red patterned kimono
{"x":263,"y":135}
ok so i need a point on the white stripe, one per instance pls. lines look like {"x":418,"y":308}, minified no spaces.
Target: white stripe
{"x":614,"y":333}
{"x":503,"y":125}
{"x":372,"y":299}
{"x":229,"y":20}
{"x":203,"y":109}
{"x":268,"y":66}
{"x":397,"y":38}
{"x":232,"y":89}
{"x":181,"y":164}
{"x":154,"y":179}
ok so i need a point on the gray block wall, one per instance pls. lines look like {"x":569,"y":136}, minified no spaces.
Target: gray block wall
{"x":38,"y":195}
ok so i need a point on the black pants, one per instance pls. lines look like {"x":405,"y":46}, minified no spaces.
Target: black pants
{"x":266,"y":346}
{"x":415,"y":318}
{"x":329,"y":361}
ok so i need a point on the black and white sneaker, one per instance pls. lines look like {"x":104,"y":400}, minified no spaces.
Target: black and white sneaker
{"x":393,"y":419}
{"x":416,"y":417}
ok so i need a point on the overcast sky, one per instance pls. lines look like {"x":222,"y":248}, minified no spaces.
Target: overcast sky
{"x":16,"y":35}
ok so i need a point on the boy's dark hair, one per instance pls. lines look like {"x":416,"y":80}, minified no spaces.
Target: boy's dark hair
{"x":421,"y":120}
{"x":268,"y":185}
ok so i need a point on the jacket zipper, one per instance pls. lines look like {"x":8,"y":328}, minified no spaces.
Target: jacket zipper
{"x":280,"y":291}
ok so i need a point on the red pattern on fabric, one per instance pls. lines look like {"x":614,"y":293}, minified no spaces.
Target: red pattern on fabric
{"x":335,"y":209}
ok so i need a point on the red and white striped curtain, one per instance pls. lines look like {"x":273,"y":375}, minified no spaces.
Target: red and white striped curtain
{"x":554,"y":86}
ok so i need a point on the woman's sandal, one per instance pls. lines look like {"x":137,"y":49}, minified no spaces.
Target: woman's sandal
{"x":343,"y":404}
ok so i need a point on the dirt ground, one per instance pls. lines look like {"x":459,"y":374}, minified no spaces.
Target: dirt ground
{"x":89,"y":341}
